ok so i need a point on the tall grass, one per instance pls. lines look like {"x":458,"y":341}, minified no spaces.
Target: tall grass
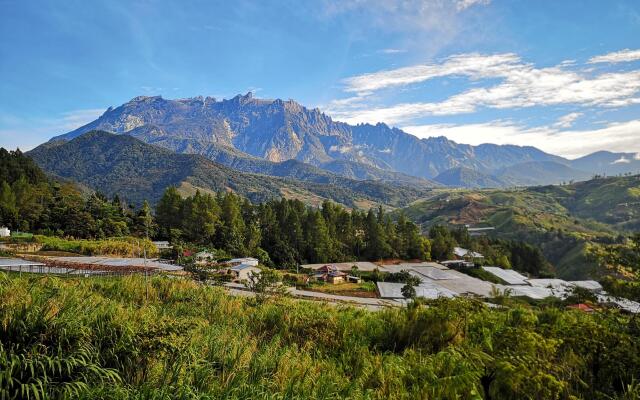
{"x":120,"y":338}
{"x":122,"y":247}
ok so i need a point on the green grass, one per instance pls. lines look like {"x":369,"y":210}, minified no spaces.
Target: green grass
{"x":108,"y":338}
{"x":121,"y":247}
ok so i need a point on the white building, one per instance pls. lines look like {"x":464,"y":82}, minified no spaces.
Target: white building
{"x":241,"y":272}
{"x":162,"y":245}
{"x":5,"y":232}
{"x":245,"y":261}
{"x":464,"y":253}
{"x":204,"y":257}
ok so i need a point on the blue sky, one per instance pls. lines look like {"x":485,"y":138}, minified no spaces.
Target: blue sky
{"x":560,"y":75}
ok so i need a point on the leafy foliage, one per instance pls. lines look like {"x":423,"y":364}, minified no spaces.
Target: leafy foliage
{"x":103,"y":338}
{"x":287,"y":230}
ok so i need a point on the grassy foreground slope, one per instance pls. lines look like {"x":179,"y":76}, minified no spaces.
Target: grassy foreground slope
{"x":563,"y":220}
{"x":109,"y":339}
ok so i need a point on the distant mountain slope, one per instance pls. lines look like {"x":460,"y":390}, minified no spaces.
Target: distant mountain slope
{"x":236,"y":159}
{"x":539,"y":173}
{"x":563,"y":220}
{"x":277,"y":131}
{"x":468,"y":178}
{"x":135,"y":170}
{"x":608,"y":163}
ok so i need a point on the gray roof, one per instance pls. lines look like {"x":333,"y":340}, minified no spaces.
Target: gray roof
{"x":532,"y":292}
{"x":434,"y":273}
{"x":545,"y":283}
{"x":591,"y":285}
{"x":17,"y":262}
{"x":627,"y":305}
{"x":393,"y":290}
{"x":508,"y":275}
{"x":364,"y":266}
{"x":120,"y":262}
{"x":243,"y":267}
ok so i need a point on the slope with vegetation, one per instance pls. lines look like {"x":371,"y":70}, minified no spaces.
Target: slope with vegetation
{"x":245,"y":130}
{"x":107,"y":338}
{"x":565,"y":221}
{"x":121,"y":164}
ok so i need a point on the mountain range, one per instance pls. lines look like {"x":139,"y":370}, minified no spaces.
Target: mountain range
{"x":272,"y":136}
{"x":137,"y":171}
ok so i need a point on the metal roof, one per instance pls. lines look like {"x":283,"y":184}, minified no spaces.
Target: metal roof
{"x":545,"y":283}
{"x":243,"y":266}
{"x":531,"y":292}
{"x":393,"y":290}
{"x":508,"y":275}
{"x":434,"y":273}
{"x":119,"y":262}
{"x":17,"y":262}
{"x":462,"y":252}
{"x":627,"y":305}
{"x":591,"y":285}
{"x":364,"y":266}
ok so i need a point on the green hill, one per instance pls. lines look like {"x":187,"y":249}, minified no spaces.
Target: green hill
{"x":123,"y":165}
{"x":563,"y":220}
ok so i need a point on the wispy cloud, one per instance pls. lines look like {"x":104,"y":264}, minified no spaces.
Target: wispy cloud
{"x":473,"y":65}
{"x":566,"y":121}
{"x":625,"y":55}
{"x":26,"y":134}
{"x":434,"y":16}
{"x":521,"y":85}
{"x":462,"y":5}
{"x":617,"y":137}
{"x":392,"y":51}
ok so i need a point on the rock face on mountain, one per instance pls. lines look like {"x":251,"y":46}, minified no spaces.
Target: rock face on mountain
{"x":245,"y":128}
{"x":137,"y":171}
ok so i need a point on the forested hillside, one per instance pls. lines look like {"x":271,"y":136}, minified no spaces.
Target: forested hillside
{"x":136,"y":171}
{"x":31,"y":202}
{"x":565,"y":221}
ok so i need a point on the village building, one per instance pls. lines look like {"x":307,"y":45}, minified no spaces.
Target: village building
{"x":457,"y":264}
{"x":162,"y":245}
{"x":204,"y":257}
{"x":242,"y":272}
{"x":466,"y":254}
{"x":5,"y":232}
{"x":330,"y":274}
{"x":244,"y":261}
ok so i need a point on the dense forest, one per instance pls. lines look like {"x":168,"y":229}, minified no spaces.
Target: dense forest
{"x":31,"y":202}
{"x":281,"y":233}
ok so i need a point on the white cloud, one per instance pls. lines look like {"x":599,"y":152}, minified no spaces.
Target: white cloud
{"x":522,"y":85}
{"x":392,"y":51}
{"x":621,"y":160}
{"x":625,"y":55}
{"x":566,"y":121}
{"x":464,"y":4}
{"x":473,"y":65}
{"x":27,"y":134}
{"x":616,"y":137}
